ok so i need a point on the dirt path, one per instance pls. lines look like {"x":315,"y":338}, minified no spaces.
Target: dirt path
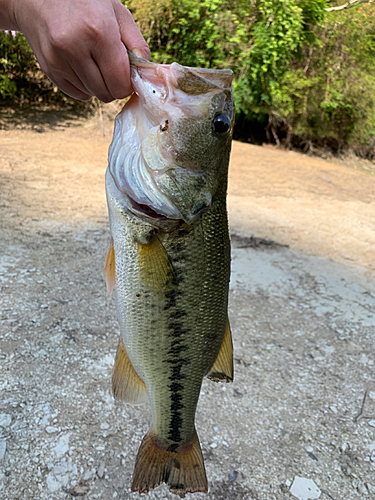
{"x":302,"y":318}
{"x":316,"y":207}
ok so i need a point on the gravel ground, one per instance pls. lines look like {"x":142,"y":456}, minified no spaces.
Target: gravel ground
{"x":302,"y":403}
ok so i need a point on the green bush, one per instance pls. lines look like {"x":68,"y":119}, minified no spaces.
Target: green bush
{"x":303,"y":76}
{"x":327,"y":95}
{"x":21,"y":80}
{"x":209,"y":33}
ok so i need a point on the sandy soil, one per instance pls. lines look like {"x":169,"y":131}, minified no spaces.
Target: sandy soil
{"x":301,"y":307}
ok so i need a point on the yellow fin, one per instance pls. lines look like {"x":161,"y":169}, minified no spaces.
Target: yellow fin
{"x":155,"y":266}
{"x":110,"y":268}
{"x":126,"y":384}
{"x":222,"y":369}
{"x":182,"y":470}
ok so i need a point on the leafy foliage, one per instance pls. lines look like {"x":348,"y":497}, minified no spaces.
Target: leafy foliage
{"x":303,"y":75}
{"x":209,"y":33}
{"x":21,"y":80}
{"x":327,"y":94}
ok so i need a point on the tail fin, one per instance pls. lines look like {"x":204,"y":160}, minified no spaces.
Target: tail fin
{"x":182,"y":470}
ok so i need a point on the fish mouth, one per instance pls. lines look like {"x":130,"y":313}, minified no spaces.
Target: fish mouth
{"x":148,"y":211}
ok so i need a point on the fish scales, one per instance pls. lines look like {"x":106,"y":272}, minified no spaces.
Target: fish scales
{"x":171,"y":279}
{"x":183,"y":324}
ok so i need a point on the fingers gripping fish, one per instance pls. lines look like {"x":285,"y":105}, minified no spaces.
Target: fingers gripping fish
{"x":169,"y":260}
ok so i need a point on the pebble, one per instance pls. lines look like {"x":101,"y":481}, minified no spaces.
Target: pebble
{"x":304,"y":489}
{"x":62,"y":446}
{"x":344,"y":447}
{"x":233,"y":475}
{"x":3,"y":447}
{"x":88,"y":474}
{"x":101,"y":470}
{"x":362,"y":489}
{"x":51,"y":430}
{"x":52,"y":483}
{"x":5,"y":420}
{"x":372,"y":423}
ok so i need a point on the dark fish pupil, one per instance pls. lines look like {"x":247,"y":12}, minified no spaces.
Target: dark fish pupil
{"x":221,"y":124}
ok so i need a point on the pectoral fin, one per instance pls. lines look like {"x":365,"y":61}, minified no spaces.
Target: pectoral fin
{"x":127,"y":386}
{"x":222,"y":369}
{"x":155,"y":267}
{"x":110,"y":268}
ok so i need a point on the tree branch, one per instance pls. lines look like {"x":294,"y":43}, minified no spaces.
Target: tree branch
{"x":347,"y":5}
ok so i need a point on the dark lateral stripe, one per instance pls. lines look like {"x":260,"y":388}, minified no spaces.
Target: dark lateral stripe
{"x":176,"y":406}
{"x":171,"y":297}
{"x":176,"y":332}
{"x":175,"y":350}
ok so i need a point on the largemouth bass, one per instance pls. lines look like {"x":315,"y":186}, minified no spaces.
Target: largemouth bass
{"x":169,"y":261}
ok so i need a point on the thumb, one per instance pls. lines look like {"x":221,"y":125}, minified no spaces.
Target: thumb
{"x":130,"y":35}
{"x":141,"y":53}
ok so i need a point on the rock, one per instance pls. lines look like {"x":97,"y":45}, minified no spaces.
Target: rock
{"x":78,"y":491}
{"x":104,"y":426}
{"x":233,"y":475}
{"x":62,"y":445}
{"x":5,"y":420}
{"x":372,"y":423}
{"x":101,"y":470}
{"x":304,"y":489}
{"x":88,"y":475}
{"x":362,"y":489}
{"x":344,"y":447}
{"x":51,"y":430}
{"x":59,"y":476}
{"x":52,"y":483}
{"x":3,"y":447}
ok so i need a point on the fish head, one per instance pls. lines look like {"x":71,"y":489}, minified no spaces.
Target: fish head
{"x":172,"y":140}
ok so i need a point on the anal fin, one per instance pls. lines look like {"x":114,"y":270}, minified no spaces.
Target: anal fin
{"x":127,"y":386}
{"x":222,"y":369}
{"x":182,"y":469}
{"x":110,"y":268}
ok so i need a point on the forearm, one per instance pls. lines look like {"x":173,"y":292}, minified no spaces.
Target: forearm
{"x":7,"y":15}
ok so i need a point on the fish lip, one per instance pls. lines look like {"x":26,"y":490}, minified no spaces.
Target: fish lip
{"x":147,"y":210}
{"x":149,"y":213}
{"x":219,"y":78}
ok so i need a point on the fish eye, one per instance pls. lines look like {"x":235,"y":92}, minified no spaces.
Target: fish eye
{"x":221,"y":124}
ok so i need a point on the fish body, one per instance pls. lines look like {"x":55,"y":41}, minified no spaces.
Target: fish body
{"x":170,"y":261}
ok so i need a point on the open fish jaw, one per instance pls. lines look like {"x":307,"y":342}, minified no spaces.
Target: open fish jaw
{"x":164,"y":153}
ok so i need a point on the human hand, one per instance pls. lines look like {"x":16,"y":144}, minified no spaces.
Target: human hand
{"x":81,"y":44}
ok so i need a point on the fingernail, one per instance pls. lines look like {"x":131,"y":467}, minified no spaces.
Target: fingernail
{"x":137,"y":53}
